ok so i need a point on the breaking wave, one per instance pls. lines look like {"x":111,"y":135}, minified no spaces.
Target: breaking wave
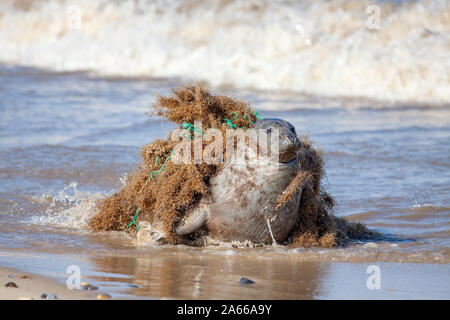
{"x":323,"y":48}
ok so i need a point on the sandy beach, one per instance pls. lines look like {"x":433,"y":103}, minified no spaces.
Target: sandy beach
{"x":32,"y":287}
{"x":196,"y":273}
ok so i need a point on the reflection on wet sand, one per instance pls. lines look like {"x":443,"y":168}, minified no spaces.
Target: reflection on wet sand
{"x":206,"y":276}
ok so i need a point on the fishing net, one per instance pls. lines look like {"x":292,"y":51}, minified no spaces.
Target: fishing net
{"x":162,"y":192}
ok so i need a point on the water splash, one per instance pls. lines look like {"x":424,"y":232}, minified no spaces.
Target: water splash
{"x":69,"y":207}
{"x":123,"y":179}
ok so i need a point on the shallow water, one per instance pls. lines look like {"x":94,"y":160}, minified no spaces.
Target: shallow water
{"x":67,"y":139}
{"x":170,"y":273}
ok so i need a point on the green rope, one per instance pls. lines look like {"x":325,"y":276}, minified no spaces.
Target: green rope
{"x":153,"y":173}
{"x":192,"y":128}
{"x":234,"y":126}
{"x":248,"y":118}
{"x":230,"y":123}
{"x":134,"y":220}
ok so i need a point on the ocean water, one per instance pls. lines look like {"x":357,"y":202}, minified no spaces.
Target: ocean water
{"x":74,"y":104}
{"x":333,"y":48}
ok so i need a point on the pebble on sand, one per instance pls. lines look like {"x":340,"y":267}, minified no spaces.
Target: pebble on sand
{"x":103,"y":296}
{"x":50,"y":296}
{"x":245,"y":281}
{"x":11,"y":285}
{"x":87,"y":286}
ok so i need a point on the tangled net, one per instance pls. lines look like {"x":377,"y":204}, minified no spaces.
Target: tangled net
{"x":161,"y":191}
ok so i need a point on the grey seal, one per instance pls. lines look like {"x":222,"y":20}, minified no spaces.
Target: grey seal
{"x":242,"y":205}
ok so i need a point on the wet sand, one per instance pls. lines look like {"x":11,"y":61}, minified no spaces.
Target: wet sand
{"x":31,"y":287}
{"x":199,"y":274}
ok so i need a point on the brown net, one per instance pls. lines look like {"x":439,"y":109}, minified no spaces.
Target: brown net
{"x":163,"y":191}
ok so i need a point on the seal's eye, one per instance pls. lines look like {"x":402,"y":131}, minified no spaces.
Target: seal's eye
{"x":268,"y":131}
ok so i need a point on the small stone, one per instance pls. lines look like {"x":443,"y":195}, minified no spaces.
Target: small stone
{"x":245,"y":281}
{"x":87,"y":286}
{"x":103,"y":296}
{"x":49,"y":296}
{"x":11,"y":285}
{"x":25,"y":277}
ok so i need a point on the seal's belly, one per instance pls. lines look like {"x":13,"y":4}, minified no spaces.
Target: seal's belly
{"x":253,"y":225}
{"x":243,"y":205}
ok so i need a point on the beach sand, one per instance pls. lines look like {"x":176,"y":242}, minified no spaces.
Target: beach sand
{"x":175,"y":272}
{"x":31,"y":287}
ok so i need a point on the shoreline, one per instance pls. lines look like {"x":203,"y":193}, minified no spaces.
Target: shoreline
{"x":157,"y":276}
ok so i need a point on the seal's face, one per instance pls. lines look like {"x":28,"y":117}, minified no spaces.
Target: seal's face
{"x":289,"y":143}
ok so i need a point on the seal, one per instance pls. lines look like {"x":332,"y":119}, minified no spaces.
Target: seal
{"x":242,"y":204}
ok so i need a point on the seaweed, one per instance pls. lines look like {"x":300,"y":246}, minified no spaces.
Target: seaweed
{"x":162,"y":191}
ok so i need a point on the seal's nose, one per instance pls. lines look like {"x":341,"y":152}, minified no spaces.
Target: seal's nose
{"x":288,"y":142}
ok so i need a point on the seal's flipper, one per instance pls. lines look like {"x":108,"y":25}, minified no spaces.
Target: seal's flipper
{"x":192,"y":222}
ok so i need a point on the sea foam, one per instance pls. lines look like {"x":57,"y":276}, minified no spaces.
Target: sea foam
{"x":316,"y":47}
{"x":68,"y":207}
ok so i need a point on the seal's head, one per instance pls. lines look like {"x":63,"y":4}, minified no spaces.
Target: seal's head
{"x":289,"y":144}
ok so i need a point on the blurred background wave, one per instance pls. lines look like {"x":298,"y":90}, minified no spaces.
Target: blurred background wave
{"x":325,"y":48}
